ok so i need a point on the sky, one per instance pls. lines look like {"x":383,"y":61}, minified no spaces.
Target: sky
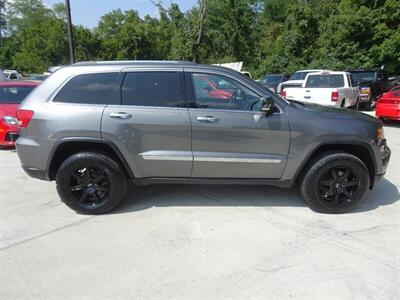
{"x":88,"y":12}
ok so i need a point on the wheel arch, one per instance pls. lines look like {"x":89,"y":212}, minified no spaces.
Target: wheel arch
{"x":69,"y":146}
{"x":360,"y":150}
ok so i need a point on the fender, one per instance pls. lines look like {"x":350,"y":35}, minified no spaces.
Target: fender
{"x":93,"y":141}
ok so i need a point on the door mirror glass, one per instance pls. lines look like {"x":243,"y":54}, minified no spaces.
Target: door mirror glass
{"x":268,"y":105}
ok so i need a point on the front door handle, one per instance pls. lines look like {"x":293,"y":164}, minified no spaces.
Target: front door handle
{"x":207,"y":119}
{"x":120,"y":115}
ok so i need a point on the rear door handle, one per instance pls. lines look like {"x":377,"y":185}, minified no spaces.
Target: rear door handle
{"x":120,"y":115}
{"x":207,"y":119}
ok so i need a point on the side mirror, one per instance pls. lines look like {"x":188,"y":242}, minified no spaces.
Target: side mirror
{"x":268,"y":105}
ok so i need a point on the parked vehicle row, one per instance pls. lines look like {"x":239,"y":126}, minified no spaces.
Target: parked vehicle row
{"x":371,"y":83}
{"x":326,"y":88}
{"x":94,"y":128}
{"x":15,"y":75}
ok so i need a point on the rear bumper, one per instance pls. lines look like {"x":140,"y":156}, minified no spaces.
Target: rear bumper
{"x":35,"y":173}
{"x":388,"y":111}
{"x":364,"y":98}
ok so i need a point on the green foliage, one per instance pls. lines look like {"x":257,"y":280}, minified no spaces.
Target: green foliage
{"x":268,"y":35}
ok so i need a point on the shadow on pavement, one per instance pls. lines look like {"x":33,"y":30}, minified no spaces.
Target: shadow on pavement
{"x":384,"y":193}
{"x":391,"y":123}
{"x":10,"y":149}
{"x":144,"y":197}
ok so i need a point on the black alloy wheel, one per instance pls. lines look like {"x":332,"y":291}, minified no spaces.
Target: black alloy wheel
{"x":334,"y":182}
{"x":90,"y":186}
{"x":337,"y":186}
{"x":91,"y":183}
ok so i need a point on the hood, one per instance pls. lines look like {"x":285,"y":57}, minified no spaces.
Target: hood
{"x":316,"y":111}
{"x":8,"y":110}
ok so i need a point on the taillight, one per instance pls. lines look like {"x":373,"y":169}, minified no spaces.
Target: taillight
{"x":335,"y":96}
{"x":24,"y":117}
{"x":283,"y":94}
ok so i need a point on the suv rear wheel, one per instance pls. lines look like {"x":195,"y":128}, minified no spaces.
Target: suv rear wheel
{"x":335,"y":183}
{"x":91,"y":183}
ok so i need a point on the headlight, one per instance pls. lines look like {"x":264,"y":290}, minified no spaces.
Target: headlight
{"x":10,"y":120}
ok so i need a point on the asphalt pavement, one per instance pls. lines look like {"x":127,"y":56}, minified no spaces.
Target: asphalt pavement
{"x":198,"y":242}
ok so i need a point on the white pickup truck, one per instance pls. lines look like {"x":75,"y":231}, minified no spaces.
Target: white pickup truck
{"x":326,"y":88}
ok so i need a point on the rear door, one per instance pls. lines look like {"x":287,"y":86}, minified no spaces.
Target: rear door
{"x":150,"y":124}
{"x":231,"y":137}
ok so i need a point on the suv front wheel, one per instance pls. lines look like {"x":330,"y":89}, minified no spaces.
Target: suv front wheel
{"x":335,"y":183}
{"x":91,"y":183}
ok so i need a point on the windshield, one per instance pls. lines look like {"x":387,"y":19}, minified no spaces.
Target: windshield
{"x":14,"y":95}
{"x":325,"y":81}
{"x":272,"y":79}
{"x":298,"y":76}
{"x":363,"y":76}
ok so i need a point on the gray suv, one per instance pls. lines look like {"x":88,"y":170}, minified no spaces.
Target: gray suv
{"x":94,"y":127}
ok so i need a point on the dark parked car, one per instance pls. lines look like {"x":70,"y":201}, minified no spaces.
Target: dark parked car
{"x":95,"y":127}
{"x":272,"y":81}
{"x":372,"y":83}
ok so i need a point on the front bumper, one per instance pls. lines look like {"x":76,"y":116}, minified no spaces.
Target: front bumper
{"x":385,"y":153}
{"x":365,"y":98}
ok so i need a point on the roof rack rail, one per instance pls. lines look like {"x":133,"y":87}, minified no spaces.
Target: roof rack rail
{"x":133,"y":62}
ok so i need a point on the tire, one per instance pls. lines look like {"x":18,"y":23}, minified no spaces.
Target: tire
{"x":319,"y":186}
{"x":91,"y":183}
{"x":369,"y":106}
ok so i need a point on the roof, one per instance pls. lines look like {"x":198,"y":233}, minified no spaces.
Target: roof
{"x":18,"y":83}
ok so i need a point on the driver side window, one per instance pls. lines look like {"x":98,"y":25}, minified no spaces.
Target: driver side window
{"x":220,"y":92}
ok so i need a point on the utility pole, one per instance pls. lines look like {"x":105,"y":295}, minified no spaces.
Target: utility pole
{"x":70,"y":33}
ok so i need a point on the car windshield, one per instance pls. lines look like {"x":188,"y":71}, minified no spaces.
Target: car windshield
{"x":14,"y":95}
{"x":272,"y":79}
{"x":325,"y":81}
{"x":363,"y":76}
{"x":298,"y":76}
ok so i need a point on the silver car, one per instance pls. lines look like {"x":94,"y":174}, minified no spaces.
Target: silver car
{"x":95,"y":127}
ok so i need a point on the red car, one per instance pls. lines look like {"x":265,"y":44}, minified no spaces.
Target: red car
{"x":211,"y":89}
{"x":11,"y":95}
{"x":388,"y":105}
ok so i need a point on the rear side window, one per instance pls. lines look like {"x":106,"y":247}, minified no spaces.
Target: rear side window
{"x":161,"y":89}
{"x":14,"y":95}
{"x":87,"y":89}
{"x":325,"y":81}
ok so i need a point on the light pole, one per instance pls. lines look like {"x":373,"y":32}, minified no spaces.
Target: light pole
{"x":70,"y":33}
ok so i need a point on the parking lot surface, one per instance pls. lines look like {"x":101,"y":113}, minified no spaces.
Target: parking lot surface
{"x":198,"y":242}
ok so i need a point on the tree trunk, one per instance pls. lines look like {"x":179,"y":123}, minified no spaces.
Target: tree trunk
{"x":196,"y":44}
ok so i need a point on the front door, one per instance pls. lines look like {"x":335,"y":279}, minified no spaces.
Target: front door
{"x":231,"y":137}
{"x":150,"y":123}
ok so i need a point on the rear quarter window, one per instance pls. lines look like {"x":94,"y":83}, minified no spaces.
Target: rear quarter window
{"x":87,"y":89}
{"x":325,"y":81}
